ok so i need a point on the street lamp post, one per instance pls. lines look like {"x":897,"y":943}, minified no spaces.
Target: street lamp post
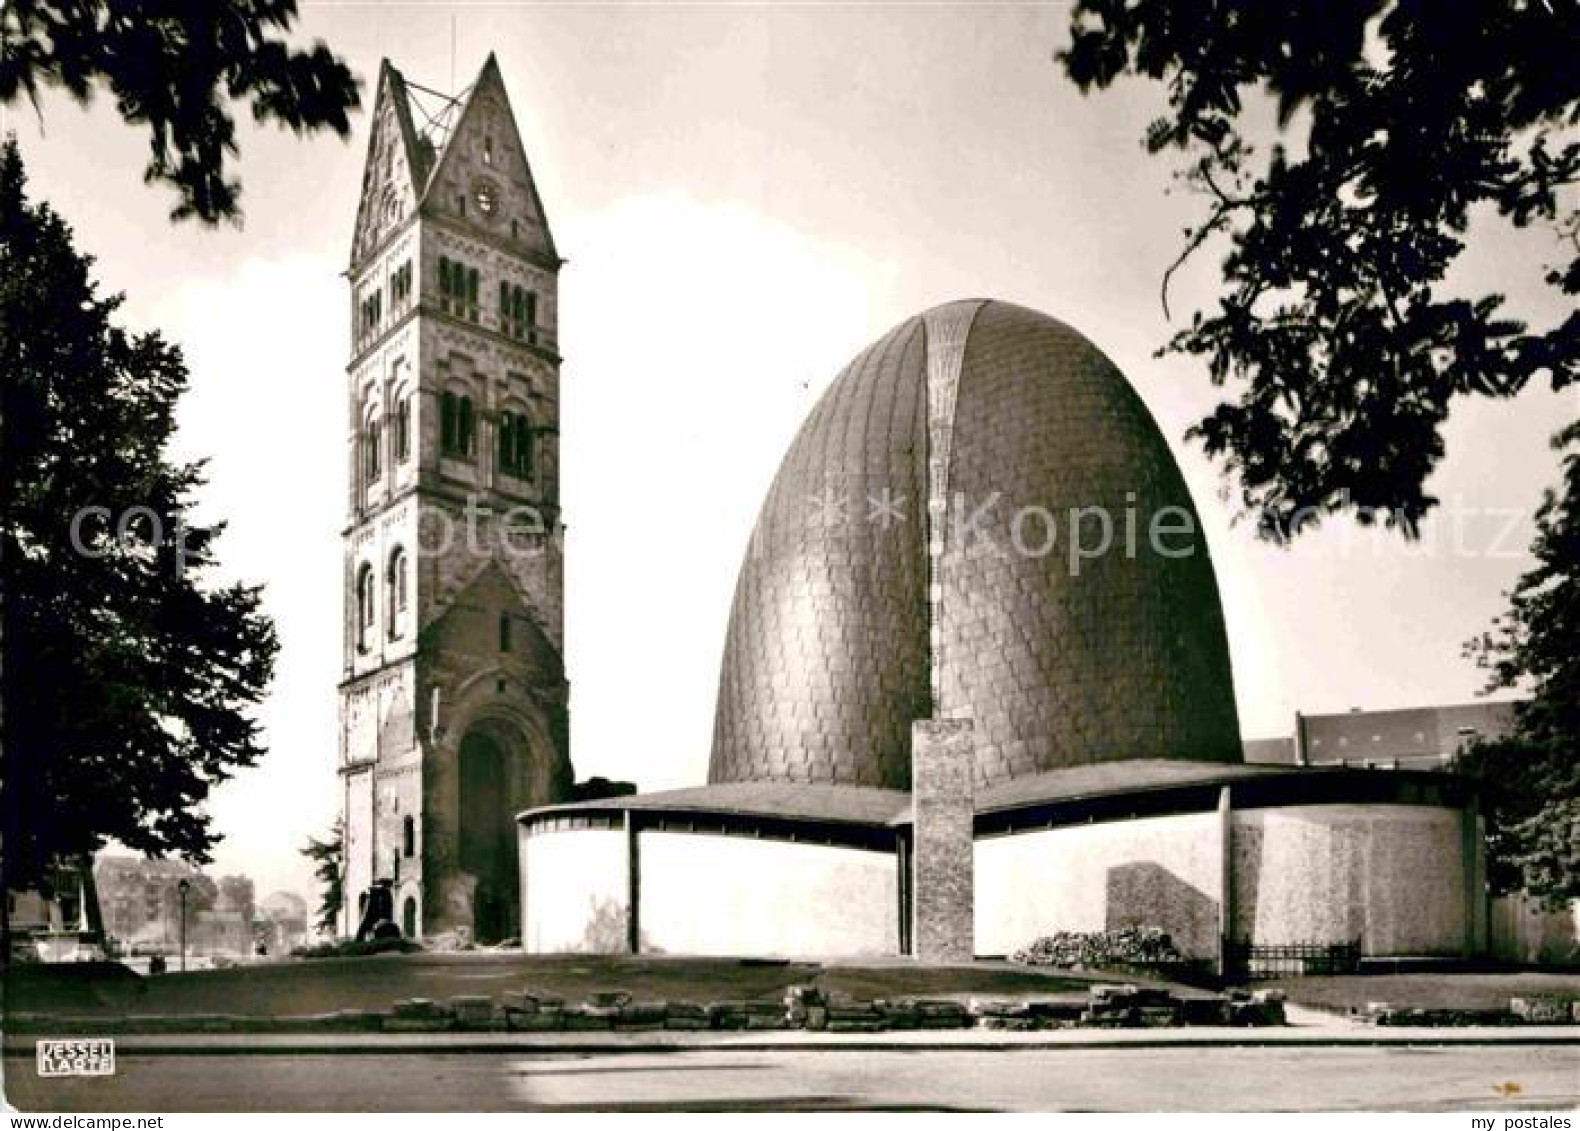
{"x":183,"y":887}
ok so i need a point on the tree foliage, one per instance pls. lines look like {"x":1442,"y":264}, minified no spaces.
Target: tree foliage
{"x":328,"y":856}
{"x":236,"y":893}
{"x":1397,"y":119}
{"x":128,"y":679}
{"x":1532,"y":782}
{"x":1397,"y":122}
{"x":176,"y":66}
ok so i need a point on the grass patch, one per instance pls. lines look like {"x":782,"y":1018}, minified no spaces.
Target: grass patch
{"x":351,"y":948}
{"x":320,"y":986}
{"x":1340,"y":993}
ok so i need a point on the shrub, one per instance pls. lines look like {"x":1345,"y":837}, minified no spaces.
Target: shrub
{"x":350,"y":948}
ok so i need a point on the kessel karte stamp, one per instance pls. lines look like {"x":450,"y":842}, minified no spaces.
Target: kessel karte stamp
{"x":92,"y":1056}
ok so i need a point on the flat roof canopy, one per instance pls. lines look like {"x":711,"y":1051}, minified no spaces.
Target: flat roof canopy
{"x":1102,"y":791}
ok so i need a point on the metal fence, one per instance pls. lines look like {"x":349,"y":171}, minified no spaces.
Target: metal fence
{"x":1286,"y":960}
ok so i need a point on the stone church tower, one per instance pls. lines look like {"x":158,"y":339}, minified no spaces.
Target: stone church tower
{"x":453,"y":698}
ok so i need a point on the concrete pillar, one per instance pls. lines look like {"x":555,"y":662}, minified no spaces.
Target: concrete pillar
{"x":1473,"y":862}
{"x":942,"y":767}
{"x":633,"y":886}
{"x":1225,"y":878}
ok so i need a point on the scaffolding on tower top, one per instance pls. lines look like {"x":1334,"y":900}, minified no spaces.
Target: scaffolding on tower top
{"x":435,"y":114}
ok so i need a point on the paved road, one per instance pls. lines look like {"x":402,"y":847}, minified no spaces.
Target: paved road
{"x":1429,"y":1079}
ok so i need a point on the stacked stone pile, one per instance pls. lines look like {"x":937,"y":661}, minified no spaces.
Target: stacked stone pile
{"x":1555,"y":1009}
{"x":1259,"y":1007}
{"x":1019,"y":1016}
{"x":1130,"y":1007}
{"x":747,"y":1015}
{"x":1128,"y":946}
{"x":802,"y":1007}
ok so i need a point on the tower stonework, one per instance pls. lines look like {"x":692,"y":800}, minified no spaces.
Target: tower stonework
{"x":453,"y":699}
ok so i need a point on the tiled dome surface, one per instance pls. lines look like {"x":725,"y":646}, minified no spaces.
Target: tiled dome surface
{"x":827,"y":658}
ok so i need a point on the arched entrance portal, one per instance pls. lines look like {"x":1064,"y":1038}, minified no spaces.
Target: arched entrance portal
{"x":490,"y":768}
{"x":408,"y":918}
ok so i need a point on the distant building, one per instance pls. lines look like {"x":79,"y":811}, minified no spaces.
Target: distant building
{"x":140,"y":900}
{"x":1410,"y":738}
{"x":283,"y":923}
{"x":219,"y":932}
{"x":57,"y":921}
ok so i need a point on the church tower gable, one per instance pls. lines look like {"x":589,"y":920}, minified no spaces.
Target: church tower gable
{"x":483,"y":177}
{"x":395,"y":170}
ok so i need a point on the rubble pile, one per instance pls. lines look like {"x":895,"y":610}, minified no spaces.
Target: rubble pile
{"x":1096,"y":950}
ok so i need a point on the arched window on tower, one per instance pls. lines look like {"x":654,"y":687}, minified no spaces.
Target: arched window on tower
{"x":403,"y":428}
{"x":447,"y":287}
{"x":372,"y":444}
{"x":409,"y":835}
{"x":395,"y":589}
{"x":466,"y":430}
{"x":456,"y":425}
{"x":364,"y":606}
{"x":515,"y":445}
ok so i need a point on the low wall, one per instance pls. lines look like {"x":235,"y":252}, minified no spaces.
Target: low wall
{"x":1154,"y":871}
{"x":704,"y":893}
{"x":1392,"y":876}
{"x":1522,"y":930}
{"x":1400,"y":878}
{"x":573,"y":891}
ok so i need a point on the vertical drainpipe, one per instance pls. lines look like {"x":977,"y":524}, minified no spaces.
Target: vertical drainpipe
{"x":633,"y":886}
{"x":1302,"y":755}
{"x":1225,"y":878}
{"x":902,"y":857}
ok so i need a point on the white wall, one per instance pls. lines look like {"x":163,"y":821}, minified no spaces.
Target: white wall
{"x":573,"y":890}
{"x":712,"y":894}
{"x":1154,"y":871}
{"x":1392,"y":876}
{"x":358,"y":848}
{"x":1523,"y":930}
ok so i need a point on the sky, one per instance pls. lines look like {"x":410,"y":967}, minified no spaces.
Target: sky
{"x":747,"y":195}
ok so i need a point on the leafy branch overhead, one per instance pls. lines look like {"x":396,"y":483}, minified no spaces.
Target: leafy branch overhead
{"x":176,"y":66}
{"x":1399,"y":121}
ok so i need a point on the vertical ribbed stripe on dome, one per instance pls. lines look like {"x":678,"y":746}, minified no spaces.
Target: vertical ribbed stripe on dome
{"x":947,"y":328}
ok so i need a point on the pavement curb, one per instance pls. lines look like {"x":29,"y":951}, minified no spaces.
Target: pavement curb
{"x":469,"y":1044}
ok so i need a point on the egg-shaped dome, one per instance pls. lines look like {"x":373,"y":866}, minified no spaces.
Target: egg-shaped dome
{"x":978,"y":519}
